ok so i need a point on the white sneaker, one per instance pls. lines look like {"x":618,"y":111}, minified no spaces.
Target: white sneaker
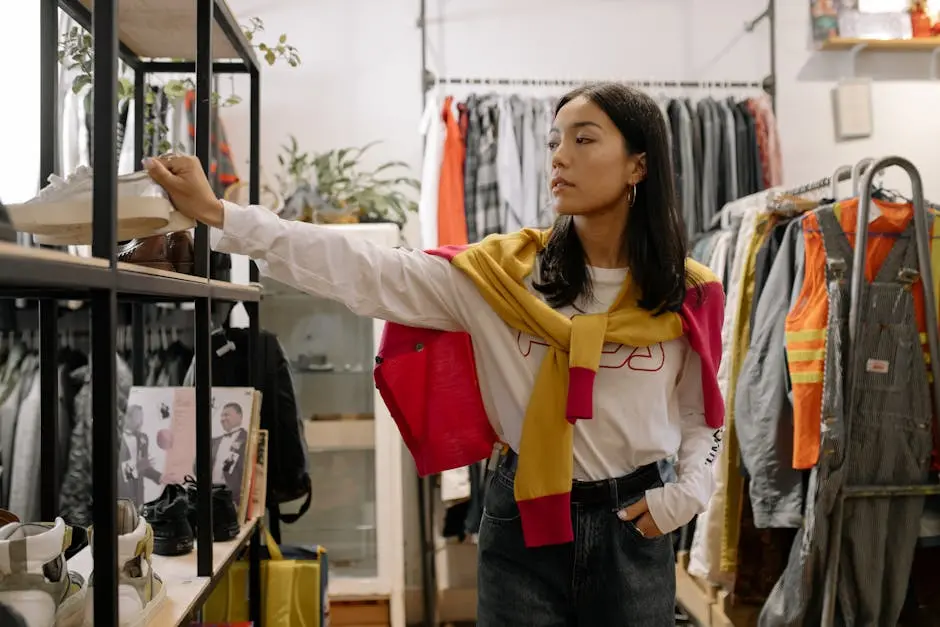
{"x":34,"y":579}
{"x":61,"y":213}
{"x":140,"y":589}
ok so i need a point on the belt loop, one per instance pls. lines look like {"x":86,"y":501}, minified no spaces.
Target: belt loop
{"x":614,"y":496}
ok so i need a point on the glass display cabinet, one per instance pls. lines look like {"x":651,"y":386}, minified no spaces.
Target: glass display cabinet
{"x":355,"y":449}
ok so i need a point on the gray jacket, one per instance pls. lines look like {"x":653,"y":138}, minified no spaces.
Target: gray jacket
{"x":763,"y":411}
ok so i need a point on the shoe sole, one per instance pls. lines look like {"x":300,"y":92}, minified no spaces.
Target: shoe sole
{"x":145,"y":617}
{"x":174,"y":547}
{"x":72,"y":611}
{"x":226,"y":532}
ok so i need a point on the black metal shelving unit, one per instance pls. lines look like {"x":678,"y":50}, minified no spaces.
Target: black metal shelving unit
{"x":51,"y":276}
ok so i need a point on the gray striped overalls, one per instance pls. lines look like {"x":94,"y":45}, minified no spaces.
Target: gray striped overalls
{"x":889,"y":443}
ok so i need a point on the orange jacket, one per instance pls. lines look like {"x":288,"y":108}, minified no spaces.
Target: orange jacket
{"x":807,"y":321}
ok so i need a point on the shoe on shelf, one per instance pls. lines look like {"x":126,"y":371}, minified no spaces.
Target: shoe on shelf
{"x":168,"y":515}
{"x":61,"y":213}
{"x":225,"y":525}
{"x":174,"y":252}
{"x":35,"y":582}
{"x":140,"y":589}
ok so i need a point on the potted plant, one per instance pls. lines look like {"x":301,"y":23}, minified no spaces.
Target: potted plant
{"x":334,"y":187}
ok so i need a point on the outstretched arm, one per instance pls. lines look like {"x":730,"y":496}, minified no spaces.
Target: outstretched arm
{"x":408,"y":287}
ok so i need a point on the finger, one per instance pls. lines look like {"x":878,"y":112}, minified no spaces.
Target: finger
{"x":633,"y":512}
{"x":159,"y":173}
{"x":647,"y":526}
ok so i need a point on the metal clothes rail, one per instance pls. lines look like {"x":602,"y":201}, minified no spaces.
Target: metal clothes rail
{"x":431,"y":80}
{"x":52,"y":275}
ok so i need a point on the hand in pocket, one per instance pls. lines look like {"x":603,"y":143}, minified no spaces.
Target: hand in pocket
{"x":639,"y":515}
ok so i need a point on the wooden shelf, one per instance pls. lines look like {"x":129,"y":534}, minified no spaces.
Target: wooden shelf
{"x":921,"y":44}
{"x":185,"y":592}
{"x":32,"y":269}
{"x":166,"y":29}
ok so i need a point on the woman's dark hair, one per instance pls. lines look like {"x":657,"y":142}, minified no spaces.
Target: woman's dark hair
{"x":654,"y":239}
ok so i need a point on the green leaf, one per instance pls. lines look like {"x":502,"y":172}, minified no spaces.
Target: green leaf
{"x":269,"y":57}
{"x":80,"y":83}
{"x":282,"y":38}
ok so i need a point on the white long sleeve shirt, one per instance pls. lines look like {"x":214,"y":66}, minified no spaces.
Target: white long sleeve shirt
{"x":648,"y":402}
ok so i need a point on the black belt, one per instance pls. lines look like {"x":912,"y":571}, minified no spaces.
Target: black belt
{"x":606,"y":492}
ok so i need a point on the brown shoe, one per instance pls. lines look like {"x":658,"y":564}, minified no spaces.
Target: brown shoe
{"x":7,"y":517}
{"x":173,"y":252}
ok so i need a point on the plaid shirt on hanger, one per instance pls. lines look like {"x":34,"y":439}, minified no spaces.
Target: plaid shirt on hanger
{"x":487,"y":203}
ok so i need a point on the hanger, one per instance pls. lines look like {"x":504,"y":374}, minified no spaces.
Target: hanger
{"x":227,"y":345}
{"x":842,"y":173}
{"x":858,"y":170}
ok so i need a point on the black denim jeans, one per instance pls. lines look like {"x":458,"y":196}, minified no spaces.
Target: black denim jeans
{"x":610,"y":576}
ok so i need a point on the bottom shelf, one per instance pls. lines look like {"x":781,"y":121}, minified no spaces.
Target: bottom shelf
{"x":185,"y":592}
{"x":706,"y":605}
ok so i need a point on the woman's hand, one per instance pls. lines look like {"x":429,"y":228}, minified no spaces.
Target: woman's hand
{"x":639,"y":514}
{"x":189,"y":190}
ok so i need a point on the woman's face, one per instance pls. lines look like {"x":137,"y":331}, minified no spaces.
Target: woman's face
{"x":591,"y":170}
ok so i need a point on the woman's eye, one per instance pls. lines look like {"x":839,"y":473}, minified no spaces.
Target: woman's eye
{"x":553,"y":145}
{"x":584,"y":140}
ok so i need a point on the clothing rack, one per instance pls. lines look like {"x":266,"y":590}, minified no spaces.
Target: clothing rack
{"x":922,"y":239}
{"x":51,"y":275}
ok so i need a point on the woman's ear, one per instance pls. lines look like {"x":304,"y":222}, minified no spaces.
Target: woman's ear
{"x":639,"y":170}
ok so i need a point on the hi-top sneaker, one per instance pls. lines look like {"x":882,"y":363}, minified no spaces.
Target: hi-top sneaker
{"x":140,"y":590}
{"x":34,"y":579}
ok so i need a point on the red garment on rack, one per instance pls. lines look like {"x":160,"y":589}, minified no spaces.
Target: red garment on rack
{"x":451,"y":218}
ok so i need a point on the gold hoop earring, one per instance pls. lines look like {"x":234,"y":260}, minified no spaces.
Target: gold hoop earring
{"x":632,"y":196}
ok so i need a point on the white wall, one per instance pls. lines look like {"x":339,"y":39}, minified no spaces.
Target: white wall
{"x":19,"y":103}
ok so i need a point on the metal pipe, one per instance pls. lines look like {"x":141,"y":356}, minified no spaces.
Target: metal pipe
{"x":254,"y":155}
{"x":230,"y":28}
{"x":49,"y":473}
{"x":48,"y":89}
{"x":189,"y":67}
{"x":552,"y":82}
{"x":425,"y":488}
{"x":48,"y":308}
{"x":104,"y":311}
{"x":138,"y":355}
{"x":203,"y":329}
{"x":254,"y":548}
{"x":140,"y":104}
{"x":772,"y":21}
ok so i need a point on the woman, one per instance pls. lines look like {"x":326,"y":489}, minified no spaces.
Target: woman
{"x":587,"y":336}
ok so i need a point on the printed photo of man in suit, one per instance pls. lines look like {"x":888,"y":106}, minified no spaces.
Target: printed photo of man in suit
{"x":228,"y":450}
{"x":134,"y":462}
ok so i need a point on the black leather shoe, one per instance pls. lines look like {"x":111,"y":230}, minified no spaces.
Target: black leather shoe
{"x":168,"y":516}
{"x":225,"y":525}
